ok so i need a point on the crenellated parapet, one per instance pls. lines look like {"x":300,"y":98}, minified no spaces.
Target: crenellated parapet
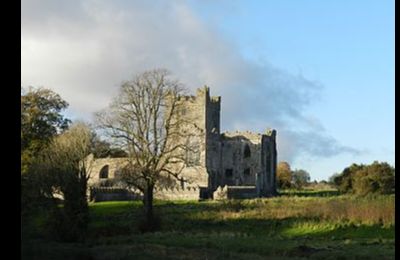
{"x":270,"y":132}
{"x":215,"y":99}
{"x":242,"y":135}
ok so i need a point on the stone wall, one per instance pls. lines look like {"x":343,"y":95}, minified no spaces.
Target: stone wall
{"x":98,"y":194}
{"x":269,"y":162}
{"x":194,"y":176}
{"x":178,"y":193}
{"x":241,"y":158}
{"x":95,"y":166}
{"x":242,"y":192}
{"x":235,"y":192}
{"x":112,"y":194}
{"x":193,"y":112}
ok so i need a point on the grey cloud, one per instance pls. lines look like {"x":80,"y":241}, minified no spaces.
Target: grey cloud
{"x":85,"y":49}
{"x":312,"y":143}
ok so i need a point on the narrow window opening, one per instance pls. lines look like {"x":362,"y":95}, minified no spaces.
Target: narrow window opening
{"x":247,"y":152}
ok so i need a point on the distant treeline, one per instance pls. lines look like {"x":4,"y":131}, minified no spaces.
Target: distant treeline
{"x":360,"y":179}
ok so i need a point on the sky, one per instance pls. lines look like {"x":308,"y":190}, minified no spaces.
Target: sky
{"x":319,"y":72}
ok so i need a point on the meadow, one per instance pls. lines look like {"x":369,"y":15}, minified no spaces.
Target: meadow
{"x":306,"y":224}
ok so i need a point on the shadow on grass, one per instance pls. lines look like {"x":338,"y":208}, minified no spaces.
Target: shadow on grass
{"x":292,"y":237}
{"x":192,"y":227}
{"x":200,"y":218}
{"x":206,"y":217}
{"x":293,"y":227}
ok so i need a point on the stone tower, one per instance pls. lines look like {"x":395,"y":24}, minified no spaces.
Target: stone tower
{"x":234,"y":159}
{"x":203,"y":111}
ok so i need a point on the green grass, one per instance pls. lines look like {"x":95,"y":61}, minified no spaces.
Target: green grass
{"x":310,"y":193}
{"x":286,"y":227}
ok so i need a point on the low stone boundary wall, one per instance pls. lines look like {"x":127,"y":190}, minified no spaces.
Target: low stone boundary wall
{"x":177,"y":193}
{"x":98,"y":194}
{"x":242,"y":192}
{"x":235,"y":192}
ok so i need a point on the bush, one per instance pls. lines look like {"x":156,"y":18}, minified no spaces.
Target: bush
{"x":376,"y":178}
{"x":365,"y":185}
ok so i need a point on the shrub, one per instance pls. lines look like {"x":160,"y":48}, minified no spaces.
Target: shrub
{"x":366,"y":179}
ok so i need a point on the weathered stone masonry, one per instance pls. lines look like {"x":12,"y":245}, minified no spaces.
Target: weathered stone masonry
{"x":244,"y":162}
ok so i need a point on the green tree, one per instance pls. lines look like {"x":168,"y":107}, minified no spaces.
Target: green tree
{"x":365,"y":179}
{"x":344,"y":181}
{"x":284,"y":175}
{"x":333,"y":179}
{"x":375,"y":178}
{"x":300,"y":178}
{"x":41,"y":119}
{"x":64,"y":167}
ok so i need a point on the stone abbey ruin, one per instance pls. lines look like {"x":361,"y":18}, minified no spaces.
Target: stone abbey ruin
{"x":223,"y":165}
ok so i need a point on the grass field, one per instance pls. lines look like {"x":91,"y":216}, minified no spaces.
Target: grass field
{"x":293,"y":226}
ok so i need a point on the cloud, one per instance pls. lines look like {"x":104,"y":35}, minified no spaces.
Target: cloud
{"x":312,"y":143}
{"x":85,"y":49}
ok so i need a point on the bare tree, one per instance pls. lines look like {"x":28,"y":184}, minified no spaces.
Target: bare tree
{"x":146,"y":120}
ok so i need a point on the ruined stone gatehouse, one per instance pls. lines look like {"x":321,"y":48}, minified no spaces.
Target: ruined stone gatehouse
{"x":242,"y":163}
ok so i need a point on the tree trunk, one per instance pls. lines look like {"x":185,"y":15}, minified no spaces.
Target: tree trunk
{"x":148,"y":202}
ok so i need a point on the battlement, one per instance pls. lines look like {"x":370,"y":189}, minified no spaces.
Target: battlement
{"x":215,"y":99}
{"x":97,"y":194}
{"x":178,"y":193}
{"x":270,"y":132}
{"x":203,"y":91}
{"x":246,"y":134}
{"x":178,"y":188}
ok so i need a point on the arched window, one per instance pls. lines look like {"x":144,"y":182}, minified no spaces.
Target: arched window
{"x":247,"y":152}
{"x":104,"y":172}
